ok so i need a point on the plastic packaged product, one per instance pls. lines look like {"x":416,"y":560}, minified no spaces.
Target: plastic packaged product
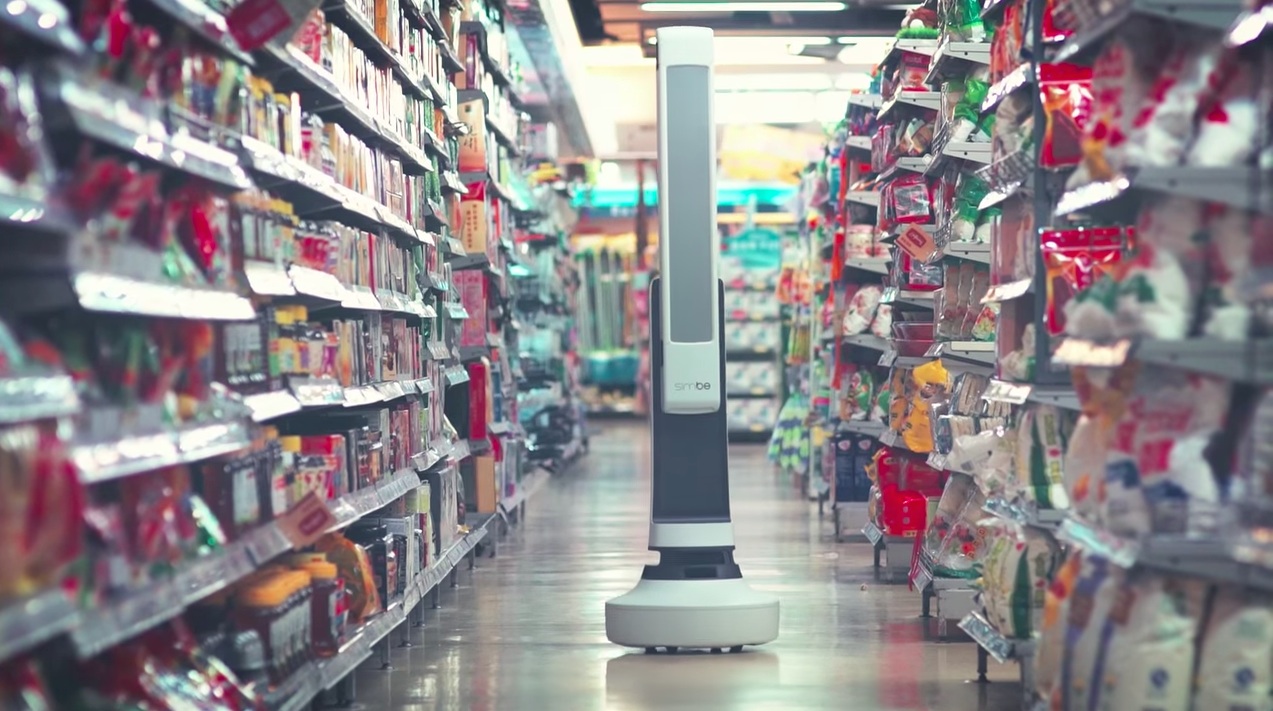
{"x":956,"y":537}
{"x":1121,"y":78}
{"x":861,"y":310}
{"x":1226,"y":314}
{"x":859,"y":395}
{"x":1235,"y":653}
{"x":1165,"y":123}
{"x":910,"y":200}
{"x":1091,"y":600}
{"x":1251,"y":490}
{"x":1157,"y":478}
{"x":1016,"y":571}
{"x":1066,"y":93}
{"x":1074,"y":259}
{"x":355,"y":570}
{"x":986,"y":323}
{"x":1084,"y":467}
{"x":1147,"y":660}
{"x":931,"y":383}
{"x":1052,"y":624}
{"x":882,"y":324}
{"x":1229,"y":116}
{"x":1041,"y":444}
{"x":900,"y":389}
{"x":912,"y":71}
{"x":969,"y":193}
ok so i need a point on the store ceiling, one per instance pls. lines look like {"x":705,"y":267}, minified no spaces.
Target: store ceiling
{"x":627,"y":21}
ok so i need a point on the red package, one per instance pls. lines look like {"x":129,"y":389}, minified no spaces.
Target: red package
{"x":917,"y":476}
{"x":1066,"y":93}
{"x":912,"y":71}
{"x":1073,"y":260}
{"x":1059,"y":22}
{"x":909,"y":199}
{"x":902,"y":513}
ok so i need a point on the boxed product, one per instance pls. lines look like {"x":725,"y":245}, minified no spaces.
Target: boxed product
{"x":485,"y":492}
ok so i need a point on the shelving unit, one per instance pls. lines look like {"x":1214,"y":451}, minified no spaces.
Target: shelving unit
{"x":1040,"y":201}
{"x":290,"y":354}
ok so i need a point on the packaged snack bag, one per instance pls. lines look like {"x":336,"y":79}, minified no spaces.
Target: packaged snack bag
{"x":931,"y":384}
{"x":1235,"y":653}
{"x":965,"y":542}
{"x":1066,"y":92}
{"x":1056,"y":607}
{"x":861,"y":310}
{"x":1042,"y":436}
{"x":1226,"y":314}
{"x":1091,"y":600}
{"x":1156,"y":476}
{"x":901,"y":387}
{"x":1017,"y":568}
{"x":1147,"y":660}
{"x":882,"y":325}
{"x":1162,"y":128}
{"x":1084,"y":468}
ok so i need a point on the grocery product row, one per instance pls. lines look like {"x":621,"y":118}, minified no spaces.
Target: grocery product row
{"x":1039,"y":253}
{"x":261,"y":332}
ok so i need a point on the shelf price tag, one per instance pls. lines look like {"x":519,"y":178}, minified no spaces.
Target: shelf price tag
{"x":1074,"y":351}
{"x":917,"y":242}
{"x":1001,"y":391}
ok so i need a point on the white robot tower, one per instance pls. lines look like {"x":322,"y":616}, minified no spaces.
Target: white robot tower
{"x":695,"y":597}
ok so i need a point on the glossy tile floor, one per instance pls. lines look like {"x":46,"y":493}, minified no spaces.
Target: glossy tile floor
{"x":526,"y":630}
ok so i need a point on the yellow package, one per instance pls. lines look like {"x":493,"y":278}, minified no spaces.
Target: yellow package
{"x":929,"y":383}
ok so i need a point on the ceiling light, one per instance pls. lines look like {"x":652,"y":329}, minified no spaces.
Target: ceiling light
{"x":743,"y":6}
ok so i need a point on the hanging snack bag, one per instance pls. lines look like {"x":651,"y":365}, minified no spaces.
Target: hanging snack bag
{"x":1042,"y":437}
{"x":1074,"y":259}
{"x":912,"y":72}
{"x":1091,"y":600}
{"x":1235,"y":653}
{"x":861,"y":310}
{"x":1146,"y":663}
{"x":947,"y":518}
{"x":932,"y":383}
{"x":1017,"y":569}
{"x":910,"y":200}
{"x":900,"y":388}
{"x":1056,"y":607}
{"x":1066,"y":93}
{"x":1229,"y":116}
{"x":1121,"y":78}
{"x":882,"y":324}
{"x":1226,"y":313}
{"x":1164,"y":125}
{"x":1157,"y":478}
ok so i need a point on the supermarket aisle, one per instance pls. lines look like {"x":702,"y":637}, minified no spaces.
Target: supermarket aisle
{"x":530,"y":634}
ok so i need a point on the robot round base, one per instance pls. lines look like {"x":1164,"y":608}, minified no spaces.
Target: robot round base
{"x":681,"y":615}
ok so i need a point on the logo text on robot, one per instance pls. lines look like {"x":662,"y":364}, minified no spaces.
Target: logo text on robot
{"x":696,"y":385}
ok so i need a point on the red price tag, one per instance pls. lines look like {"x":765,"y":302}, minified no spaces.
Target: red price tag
{"x":307,"y":521}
